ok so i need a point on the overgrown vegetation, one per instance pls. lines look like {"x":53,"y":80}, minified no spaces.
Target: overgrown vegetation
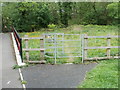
{"x":91,"y":30}
{"x":31,"y":16}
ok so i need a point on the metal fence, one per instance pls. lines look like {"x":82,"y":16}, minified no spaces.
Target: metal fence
{"x":58,"y":45}
{"x":18,"y":40}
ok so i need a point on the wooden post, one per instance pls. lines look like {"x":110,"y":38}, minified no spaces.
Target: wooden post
{"x":42,"y":49}
{"x":63,"y":43}
{"x":82,"y":45}
{"x":108,"y":44}
{"x":26,"y":46}
{"x":85,"y":45}
{"x":55,"y":45}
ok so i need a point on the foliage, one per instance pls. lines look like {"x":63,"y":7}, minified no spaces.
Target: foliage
{"x":28,"y":16}
{"x":31,"y":16}
{"x":113,"y":12}
{"x":51,"y":26}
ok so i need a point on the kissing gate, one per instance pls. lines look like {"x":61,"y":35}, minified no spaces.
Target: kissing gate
{"x":60,"y":45}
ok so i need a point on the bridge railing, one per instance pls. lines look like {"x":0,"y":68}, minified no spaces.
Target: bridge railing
{"x":18,"y":40}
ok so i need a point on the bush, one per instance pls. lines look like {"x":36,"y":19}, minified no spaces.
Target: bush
{"x":51,"y":27}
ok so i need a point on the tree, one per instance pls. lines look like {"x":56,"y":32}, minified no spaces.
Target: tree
{"x":113,"y":13}
{"x":65,"y":14}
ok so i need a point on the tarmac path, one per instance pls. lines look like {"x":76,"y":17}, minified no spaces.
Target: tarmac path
{"x":38,"y":76}
{"x":55,"y":76}
{"x":10,"y":77}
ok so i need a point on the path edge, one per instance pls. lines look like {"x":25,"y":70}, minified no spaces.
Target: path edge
{"x":18,"y":58}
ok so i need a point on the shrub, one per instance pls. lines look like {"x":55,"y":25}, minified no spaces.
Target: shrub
{"x":51,"y":27}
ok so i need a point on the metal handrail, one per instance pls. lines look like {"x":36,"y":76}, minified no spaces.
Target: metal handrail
{"x":18,"y":40}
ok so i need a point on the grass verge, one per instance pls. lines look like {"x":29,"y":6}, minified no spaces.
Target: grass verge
{"x":104,"y":75}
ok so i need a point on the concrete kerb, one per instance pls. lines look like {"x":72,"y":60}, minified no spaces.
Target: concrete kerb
{"x":18,"y":58}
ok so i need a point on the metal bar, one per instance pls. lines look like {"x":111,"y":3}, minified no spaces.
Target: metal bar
{"x":18,"y":40}
{"x":62,"y":47}
{"x":68,"y":56}
{"x":64,"y":40}
{"x":71,"y":34}
{"x":21,"y":49}
{"x":70,"y":52}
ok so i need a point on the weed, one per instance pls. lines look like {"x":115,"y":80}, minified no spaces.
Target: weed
{"x":17,"y":66}
{"x":23,"y":82}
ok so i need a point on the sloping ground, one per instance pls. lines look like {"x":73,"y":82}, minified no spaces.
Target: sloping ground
{"x":55,"y":76}
{"x":10,"y":77}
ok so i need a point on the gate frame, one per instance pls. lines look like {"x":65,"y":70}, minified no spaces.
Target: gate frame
{"x":81,"y":39}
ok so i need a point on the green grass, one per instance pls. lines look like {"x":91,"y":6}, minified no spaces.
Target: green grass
{"x":91,"y":30}
{"x":104,"y":75}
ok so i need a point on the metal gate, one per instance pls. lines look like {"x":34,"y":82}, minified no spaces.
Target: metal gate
{"x":60,"y":45}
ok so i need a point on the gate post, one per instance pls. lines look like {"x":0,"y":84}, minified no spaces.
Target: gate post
{"x":84,"y":45}
{"x":55,"y":48}
{"x":42,"y":48}
{"x":108,"y":44}
{"x":82,"y":41}
{"x":63,"y":43}
{"x":26,"y":45}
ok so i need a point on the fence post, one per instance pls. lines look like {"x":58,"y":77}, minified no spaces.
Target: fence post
{"x":85,"y":45}
{"x":108,"y":44}
{"x":26,"y":45}
{"x":44,"y":39}
{"x":55,"y":48}
{"x":63,"y":43}
{"x":42,"y":48}
{"x":82,"y":41}
{"x":21,"y":49}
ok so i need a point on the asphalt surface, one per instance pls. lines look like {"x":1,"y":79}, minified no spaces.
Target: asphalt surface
{"x":10,"y":77}
{"x":0,"y":61}
{"x":55,"y":76}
